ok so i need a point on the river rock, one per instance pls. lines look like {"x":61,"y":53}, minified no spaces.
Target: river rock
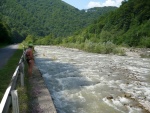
{"x":127,"y":95}
{"x":109,"y":97}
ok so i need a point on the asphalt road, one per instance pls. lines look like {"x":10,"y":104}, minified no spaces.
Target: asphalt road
{"x":6,"y":53}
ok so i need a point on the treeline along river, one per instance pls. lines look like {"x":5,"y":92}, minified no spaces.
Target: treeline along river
{"x":81,"y":82}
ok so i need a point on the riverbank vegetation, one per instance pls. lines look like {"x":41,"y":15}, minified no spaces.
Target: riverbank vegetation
{"x":127,"y":26}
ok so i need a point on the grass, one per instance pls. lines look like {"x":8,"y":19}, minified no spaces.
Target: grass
{"x":24,"y":94}
{"x":7,"y":71}
{"x":5,"y":76}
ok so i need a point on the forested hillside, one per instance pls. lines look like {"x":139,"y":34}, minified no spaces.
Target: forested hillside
{"x":129,"y":25}
{"x":5,"y":34}
{"x":45,"y":17}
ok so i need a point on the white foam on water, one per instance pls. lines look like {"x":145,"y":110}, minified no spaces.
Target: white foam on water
{"x":117,"y":102}
{"x":79,"y":79}
{"x":109,"y":102}
{"x":147,"y":92}
{"x":81,"y":97}
{"x":73,"y":82}
{"x":123,"y":86}
{"x":138,"y":69}
{"x":59,"y":99}
{"x":112,"y":83}
{"x":47,"y":76}
{"x":124,"y":100}
{"x":118,"y":81}
{"x":134,"y":110}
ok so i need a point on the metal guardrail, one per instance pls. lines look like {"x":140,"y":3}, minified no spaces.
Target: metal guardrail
{"x":10,"y":93}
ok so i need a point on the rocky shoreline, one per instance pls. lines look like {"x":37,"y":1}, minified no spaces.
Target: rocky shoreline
{"x":137,"y":52}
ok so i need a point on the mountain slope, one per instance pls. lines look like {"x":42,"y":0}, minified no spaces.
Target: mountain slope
{"x":5,"y":34}
{"x":128,"y":25}
{"x":46,"y":17}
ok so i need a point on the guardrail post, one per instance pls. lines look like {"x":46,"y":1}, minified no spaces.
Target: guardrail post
{"x":22,"y":74}
{"x":24,"y":56}
{"x":15,"y":101}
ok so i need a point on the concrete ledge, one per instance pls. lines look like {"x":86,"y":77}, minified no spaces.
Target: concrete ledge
{"x":41,"y":93}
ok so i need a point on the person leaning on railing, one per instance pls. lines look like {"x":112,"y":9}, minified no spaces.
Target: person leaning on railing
{"x":30,"y":58}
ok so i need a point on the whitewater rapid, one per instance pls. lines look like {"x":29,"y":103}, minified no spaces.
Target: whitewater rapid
{"x":81,"y":82}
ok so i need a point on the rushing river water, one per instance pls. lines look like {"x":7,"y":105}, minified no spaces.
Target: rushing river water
{"x":81,"y":82}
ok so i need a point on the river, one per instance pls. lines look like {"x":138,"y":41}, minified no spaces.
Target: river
{"x":82,"y":82}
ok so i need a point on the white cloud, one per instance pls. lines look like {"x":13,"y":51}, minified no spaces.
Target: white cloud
{"x":92,"y":4}
{"x":109,"y":3}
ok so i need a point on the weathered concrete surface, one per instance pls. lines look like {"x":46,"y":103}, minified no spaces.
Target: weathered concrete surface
{"x":42,"y":100}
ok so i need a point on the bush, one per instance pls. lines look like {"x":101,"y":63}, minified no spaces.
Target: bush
{"x":99,"y":48}
{"x":103,"y":48}
{"x":109,"y":47}
{"x":145,"y":42}
{"x":119,"y":51}
{"x":89,"y":46}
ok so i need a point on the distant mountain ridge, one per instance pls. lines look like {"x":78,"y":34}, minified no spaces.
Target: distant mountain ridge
{"x":128,"y":25}
{"x":44,"y":17}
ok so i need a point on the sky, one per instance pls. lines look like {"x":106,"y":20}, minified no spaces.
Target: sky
{"x":86,"y":4}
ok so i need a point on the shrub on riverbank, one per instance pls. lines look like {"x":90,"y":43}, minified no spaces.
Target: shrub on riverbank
{"x":95,"y":46}
{"x":102,"y":48}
